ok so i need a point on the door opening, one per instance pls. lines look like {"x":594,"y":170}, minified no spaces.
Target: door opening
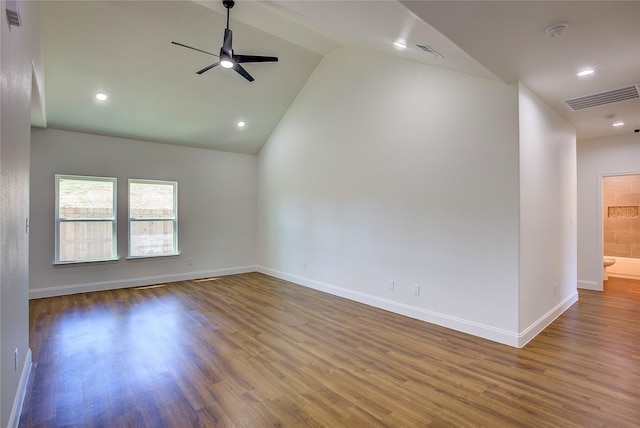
{"x":621,"y":226}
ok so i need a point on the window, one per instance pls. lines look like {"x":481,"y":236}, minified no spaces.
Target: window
{"x":153,"y":218}
{"x":85,"y":219}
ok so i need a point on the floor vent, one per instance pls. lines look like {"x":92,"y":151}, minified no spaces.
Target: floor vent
{"x":603,"y":98}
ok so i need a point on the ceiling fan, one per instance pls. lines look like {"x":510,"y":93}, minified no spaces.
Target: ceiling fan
{"x":228,"y":59}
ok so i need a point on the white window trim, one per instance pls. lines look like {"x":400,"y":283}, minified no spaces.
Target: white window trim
{"x":175,"y":218}
{"x":58,"y":220}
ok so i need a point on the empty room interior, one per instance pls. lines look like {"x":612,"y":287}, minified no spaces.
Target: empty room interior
{"x":320,"y":213}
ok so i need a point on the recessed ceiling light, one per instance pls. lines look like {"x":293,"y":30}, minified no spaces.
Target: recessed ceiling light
{"x":616,"y":124}
{"x":241,"y":124}
{"x":400,"y":44}
{"x":586,"y":72}
{"x":101,"y":96}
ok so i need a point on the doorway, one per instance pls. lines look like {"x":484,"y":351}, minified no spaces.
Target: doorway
{"x":621,"y":225}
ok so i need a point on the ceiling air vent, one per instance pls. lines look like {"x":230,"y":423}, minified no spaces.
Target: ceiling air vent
{"x":430,"y":51}
{"x":622,"y":94}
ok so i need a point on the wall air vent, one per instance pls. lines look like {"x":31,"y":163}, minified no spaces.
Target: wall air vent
{"x":13,"y":13}
{"x":430,"y":51}
{"x":609,"y":97}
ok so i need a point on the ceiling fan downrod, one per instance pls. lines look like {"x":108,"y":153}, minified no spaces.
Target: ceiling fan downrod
{"x":228,"y":4}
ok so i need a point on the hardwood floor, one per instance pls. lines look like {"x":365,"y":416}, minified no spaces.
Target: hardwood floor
{"x":254,"y":351}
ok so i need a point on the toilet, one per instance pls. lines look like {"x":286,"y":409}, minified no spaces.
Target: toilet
{"x":607,"y":261}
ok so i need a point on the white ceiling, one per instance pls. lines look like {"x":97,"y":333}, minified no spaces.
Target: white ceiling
{"x":123,"y":48}
{"x":508,"y":38}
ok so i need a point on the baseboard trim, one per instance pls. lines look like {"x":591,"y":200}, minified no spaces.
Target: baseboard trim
{"x":37,"y":293}
{"x":21,"y":393}
{"x":476,"y":329}
{"x":534,"y":329}
{"x":590,"y":285}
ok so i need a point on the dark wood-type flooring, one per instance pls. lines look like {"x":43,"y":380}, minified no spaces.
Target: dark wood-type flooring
{"x":254,"y":351}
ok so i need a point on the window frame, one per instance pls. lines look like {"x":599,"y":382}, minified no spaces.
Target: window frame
{"x":176,"y":251}
{"x":113,"y":219}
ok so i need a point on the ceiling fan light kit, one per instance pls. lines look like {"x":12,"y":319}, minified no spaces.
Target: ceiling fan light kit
{"x":226,"y":62}
{"x":228,"y":59}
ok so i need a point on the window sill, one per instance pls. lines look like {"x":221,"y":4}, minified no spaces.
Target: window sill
{"x":84,"y":262}
{"x":160,"y":256}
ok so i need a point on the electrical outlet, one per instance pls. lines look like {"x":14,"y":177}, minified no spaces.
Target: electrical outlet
{"x":555,"y":289}
{"x":189,"y":261}
{"x":391,"y":285}
{"x":15,"y":360}
{"x":416,"y":290}
{"x":304,"y":266}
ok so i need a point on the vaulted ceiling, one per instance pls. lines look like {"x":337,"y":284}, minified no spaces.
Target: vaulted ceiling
{"x":123,"y":48}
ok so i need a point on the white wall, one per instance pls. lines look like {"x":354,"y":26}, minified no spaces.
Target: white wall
{"x":596,"y":158}
{"x":216,"y":209}
{"x":20,"y":47}
{"x":384,"y":169}
{"x":548,"y":266}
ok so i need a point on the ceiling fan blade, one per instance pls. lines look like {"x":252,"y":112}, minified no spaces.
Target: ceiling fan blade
{"x":191,"y":47}
{"x":242,"y":72}
{"x":239,"y":59}
{"x":227,"y":45}
{"x":207,"y":68}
